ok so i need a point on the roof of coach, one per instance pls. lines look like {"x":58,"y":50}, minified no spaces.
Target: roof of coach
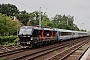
{"x":82,"y":32}
{"x":79,"y":32}
{"x":63,"y":30}
{"x":75,"y":31}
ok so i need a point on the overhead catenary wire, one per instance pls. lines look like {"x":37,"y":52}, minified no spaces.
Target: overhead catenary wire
{"x":34,"y":9}
{"x":25,"y":5}
{"x":30,"y":6}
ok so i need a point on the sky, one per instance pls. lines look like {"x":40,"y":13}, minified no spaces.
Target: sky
{"x":80,"y":9}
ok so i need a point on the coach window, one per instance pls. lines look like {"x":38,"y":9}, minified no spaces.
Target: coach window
{"x":65,"y":33}
{"x":73,"y":33}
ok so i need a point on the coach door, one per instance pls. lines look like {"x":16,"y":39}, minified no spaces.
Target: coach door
{"x":58,"y":35}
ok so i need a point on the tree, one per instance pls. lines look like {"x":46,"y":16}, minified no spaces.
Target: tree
{"x":7,"y":26}
{"x":9,"y":9}
{"x":29,"y":18}
{"x":23,"y":16}
{"x":83,"y":30}
{"x":75,"y":27}
{"x":34,"y":18}
{"x":64,"y":22}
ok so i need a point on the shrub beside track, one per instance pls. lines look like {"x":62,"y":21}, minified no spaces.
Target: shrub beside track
{"x":7,"y":40}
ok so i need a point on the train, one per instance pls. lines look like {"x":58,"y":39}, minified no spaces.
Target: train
{"x":30,"y":36}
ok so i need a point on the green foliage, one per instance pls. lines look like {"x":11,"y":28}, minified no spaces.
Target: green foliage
{"x":23,"y":16}
{"x":80,"y":49}
{"x":33,"y":18}
{"x":50,"y":23}
{"x":9,"y":9}
{"x":3,"y":58}
{"x":75,"y":27}
{"x":8,"y":40}
{"x":7,"y":26}
{"x":28,"y":18}
{"x":55,"y":52}
{"x":64,"y":22}
{"x":83,"y":30}
{"x":45,"y":21}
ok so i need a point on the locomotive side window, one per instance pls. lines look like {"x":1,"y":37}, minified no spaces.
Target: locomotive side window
{"x":47,"y":33}
{"x":35,"y":33}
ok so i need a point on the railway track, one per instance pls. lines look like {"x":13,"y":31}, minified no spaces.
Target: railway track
{"x":18,"y":51}
{"x":11,"y":52}
{"x":62,"y":55}
{"x":78,"y":54}
{"x":39,"y":53}
{"x":4,"y":49}
{"x":8,"y":53}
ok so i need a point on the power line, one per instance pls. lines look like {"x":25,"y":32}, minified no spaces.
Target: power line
{"x":25,"y":5}
{"x":29,"y":6}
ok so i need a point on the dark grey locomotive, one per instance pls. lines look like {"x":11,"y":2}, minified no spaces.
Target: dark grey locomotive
{"x":31,"y":35}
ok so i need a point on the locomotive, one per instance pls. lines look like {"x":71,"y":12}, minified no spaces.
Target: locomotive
{"x":30,"y":36}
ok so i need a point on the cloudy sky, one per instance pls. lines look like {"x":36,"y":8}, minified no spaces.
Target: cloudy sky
{"x":80,"y":9}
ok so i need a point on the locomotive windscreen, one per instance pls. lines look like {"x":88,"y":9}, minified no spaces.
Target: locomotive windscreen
{"x":25,"y":32}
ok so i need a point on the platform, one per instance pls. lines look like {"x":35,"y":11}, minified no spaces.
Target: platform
{"x":86,"y":56}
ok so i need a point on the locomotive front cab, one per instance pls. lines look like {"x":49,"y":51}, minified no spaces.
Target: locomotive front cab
{"x":25,"y":36}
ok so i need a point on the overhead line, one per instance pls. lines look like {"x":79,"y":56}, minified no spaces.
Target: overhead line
{"x":25,"y":5}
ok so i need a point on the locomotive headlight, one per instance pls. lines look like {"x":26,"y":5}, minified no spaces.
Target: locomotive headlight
{"x":28,"y":42}
{"x":31,"y":38}
{"x":18,"y":42}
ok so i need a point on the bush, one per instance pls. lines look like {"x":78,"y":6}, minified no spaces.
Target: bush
{"x":5,"y":40}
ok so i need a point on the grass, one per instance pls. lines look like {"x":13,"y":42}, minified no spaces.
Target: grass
{"x":66,"y":48}
{"x":80,"y":49}
{"x":55,"y":52}
{"x":3,"y":58}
